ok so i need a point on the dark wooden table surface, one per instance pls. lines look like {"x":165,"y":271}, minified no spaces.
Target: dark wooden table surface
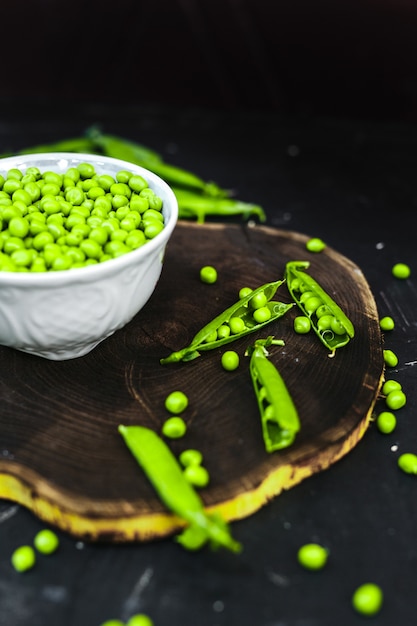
{"x":354,"y":185}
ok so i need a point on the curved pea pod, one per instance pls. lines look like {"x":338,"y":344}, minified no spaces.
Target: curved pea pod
{"x":279,"y":416}
{"x":203,"y":339}
{"x":166,"y":475}
{"x":199,"y":206}
{"x":328,"y":320}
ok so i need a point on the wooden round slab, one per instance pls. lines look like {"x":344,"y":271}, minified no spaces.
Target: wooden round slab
{"x":60,"y":452}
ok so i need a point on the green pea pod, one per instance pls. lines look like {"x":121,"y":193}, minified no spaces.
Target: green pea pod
{"x":119,"y":148}
{"x":280,"y":421}
{"x":328,"y":320}
{"x":76,"y":144}
{"x":139,"y":154}
{"x":205,"y":339}
{"x":192,"y":205}
{"x":166,"y":475}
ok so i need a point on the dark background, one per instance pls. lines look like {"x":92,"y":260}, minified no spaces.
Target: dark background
{"x":352,"y":58}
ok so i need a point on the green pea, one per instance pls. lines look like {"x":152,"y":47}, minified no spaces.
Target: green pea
{"x":401,"y":270}
{"x":390,"y":358}
{"x":407,"y":462}
{"x":14,"y":174}
{"x":261,"y":315}
{"x":325,"y":322}
{"x":18,"y":227}
{"x":121,"y":189}
{"x":174,"y":427}
{"x":208,"y":274}
{"x":23,"y":558}
{"x":237,"y":325}
{"x":368,"y":599}
{"x":116,"y":248}
{"x":21,"y":195}
{"x":95,"y":192}
{"x":323,"y":310}
{"x":223,"y":331}
{"x":197,"y":475}
{"x":176,"y":402}
{"x":312,"y":556}
{"x":258,"y":301}
{"x":99,"y":234}
{"x":337,"y":327}
{"x":138,"y":203}
{"x":38,"y":265}
{"x":105,"y":181}
{"x":12,"y":244}
{"x":230,"y":360}
{"x":86,"y":170}
{"x":61,"y":262}
{"x":302,"y":324}
{"x":390,"y":385}
{"x":53,"y":178}
{"x":244,"y":292}
{"x":139,"y":620}
{"x":396,"y":399}
{"x":387,"y":323}
{"x":153,"y":229}
{"x":23,"y":257}
{"x":190,"y":457}
{"x":137,"y":183}
{"x":153,"y":214}
{"x":91,"y":248}
{"x":386,"y":422}
{"x":135,"y":239}
{"x":315,"y":245}
{"x":11,"y":185}
{"x":312,"y":304}
{"x":75,"y":196}
{"x":46,"y":541}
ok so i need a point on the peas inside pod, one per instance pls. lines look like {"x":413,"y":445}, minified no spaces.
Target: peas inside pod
{"x":53,"y":221}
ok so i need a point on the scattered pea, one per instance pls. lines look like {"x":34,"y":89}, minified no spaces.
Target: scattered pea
{"x":197,"y":475}
{"x":23,"y":558}
{"x":302,"y":324}
{"x":407,"y":462}
{"x":46,"y":541}
{"x":174,"y":427}
{"x":387,"y":323}
{"x":396,"y":399}
{"x":390,"y":358}
{"x":230,"y":360}
{"x":390,"y":385}
{"x":386,"y":422}
{"x":312,"y":556}
{"x":401,"y":270}
{"x":190,"y":457}
{"x":208,"y":274}
{"x":315,"y":245}
{"x":176,"y":402}
{"x":367,"y":599}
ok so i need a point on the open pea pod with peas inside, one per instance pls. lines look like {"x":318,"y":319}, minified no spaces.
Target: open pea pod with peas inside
{"x":245,"y":316}
{"x":279,"y":415}
{"x":328,"y":321}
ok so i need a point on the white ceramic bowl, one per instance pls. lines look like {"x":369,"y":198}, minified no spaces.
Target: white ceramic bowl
{"x":63,"y":315}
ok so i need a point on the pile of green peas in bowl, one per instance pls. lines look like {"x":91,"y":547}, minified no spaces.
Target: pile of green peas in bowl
{"x":53,"y":221}
{"x":82,"y":244}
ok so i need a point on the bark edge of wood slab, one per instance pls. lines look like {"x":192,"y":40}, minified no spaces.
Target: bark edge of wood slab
{"x":62,"y":457}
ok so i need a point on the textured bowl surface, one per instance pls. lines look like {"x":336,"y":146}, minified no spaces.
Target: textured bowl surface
{"x":65,"y":314}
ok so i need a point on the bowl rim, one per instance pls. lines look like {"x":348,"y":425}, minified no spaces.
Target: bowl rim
{"x":110,"y":266}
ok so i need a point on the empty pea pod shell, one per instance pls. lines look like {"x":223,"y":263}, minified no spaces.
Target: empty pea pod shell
{"x":279,"y":416}
{"x":299,"y":282}
{"x":203,"y":339}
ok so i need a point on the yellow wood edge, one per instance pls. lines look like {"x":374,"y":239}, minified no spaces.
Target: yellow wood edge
{"x":158,"y":525}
